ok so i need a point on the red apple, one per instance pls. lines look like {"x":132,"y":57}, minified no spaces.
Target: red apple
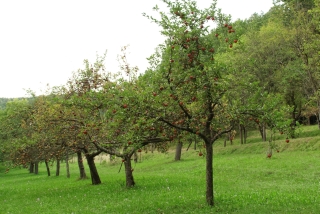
{"x":287,"y":140}
{"x":235,"y":41}
{"x":200,"y":154}
{"x":125,"y":106}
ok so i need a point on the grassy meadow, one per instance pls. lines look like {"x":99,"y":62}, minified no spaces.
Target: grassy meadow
{"x":245,"y":182}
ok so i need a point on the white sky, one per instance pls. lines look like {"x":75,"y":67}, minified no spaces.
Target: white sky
{"x":42,"y":41}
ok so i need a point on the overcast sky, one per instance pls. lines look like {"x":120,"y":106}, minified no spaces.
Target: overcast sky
{"x":43,"y":41}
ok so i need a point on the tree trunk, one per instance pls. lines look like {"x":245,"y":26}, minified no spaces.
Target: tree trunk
{"x":260,"y":130}
{"x":178,"y":151}
{"x":128,"y":171}
{"x":241,"y":133}
{"x":58,"y":167}
{"x":318,"y":116}
{"x":209,"y":174}
{"x":231,"y":138}
{"x":95,"y":178}
{"x":81,"y":166}
{"x":135,"y":157}
{"x":31,"y":167}
{"x":195,"y":142}
{"x":264,"y":132}
{"x":245,"y":133}
{"x":47,"y":166}
{"x":67,"y":164}
{"x":36,"y":168}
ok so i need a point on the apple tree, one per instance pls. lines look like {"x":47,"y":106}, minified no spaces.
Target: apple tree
{"x":190,"y":84}
{"x":126,"y":128}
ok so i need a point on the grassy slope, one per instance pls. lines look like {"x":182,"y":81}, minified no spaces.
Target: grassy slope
{"x":245,"y":182}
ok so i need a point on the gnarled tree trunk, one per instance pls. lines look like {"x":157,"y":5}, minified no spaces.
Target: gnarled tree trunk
{"x":47,"y":167}
{"x":58,"y":167}
{"x":81,"y":166}
{"x":209,"y":174}
{"x":67,"y":164}
{"x":36,"y":168}
{"x":178,"y":150}
{"x":95,"y":178}
{"x":31,"y":167}
{"x":128,"y":171}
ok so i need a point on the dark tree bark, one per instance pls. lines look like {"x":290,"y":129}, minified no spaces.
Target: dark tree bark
{"x":95,"y":178}
{"x":81,"y":166}
{"x":128,"y":171}
{"x":67,"y":164}
{"x":58,"y":167}
{"x":178,"y":151}
{"x":47,"y":167}
{"x":264,"y":132}
{"x":209,"y":174}
{"x":31,"y":167}
{"x":245,"y":134}
{"x":241,"y":133}
{"x":36,"y":168}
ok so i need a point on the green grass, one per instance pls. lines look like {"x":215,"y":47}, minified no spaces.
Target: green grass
{"x":245,"y":182}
